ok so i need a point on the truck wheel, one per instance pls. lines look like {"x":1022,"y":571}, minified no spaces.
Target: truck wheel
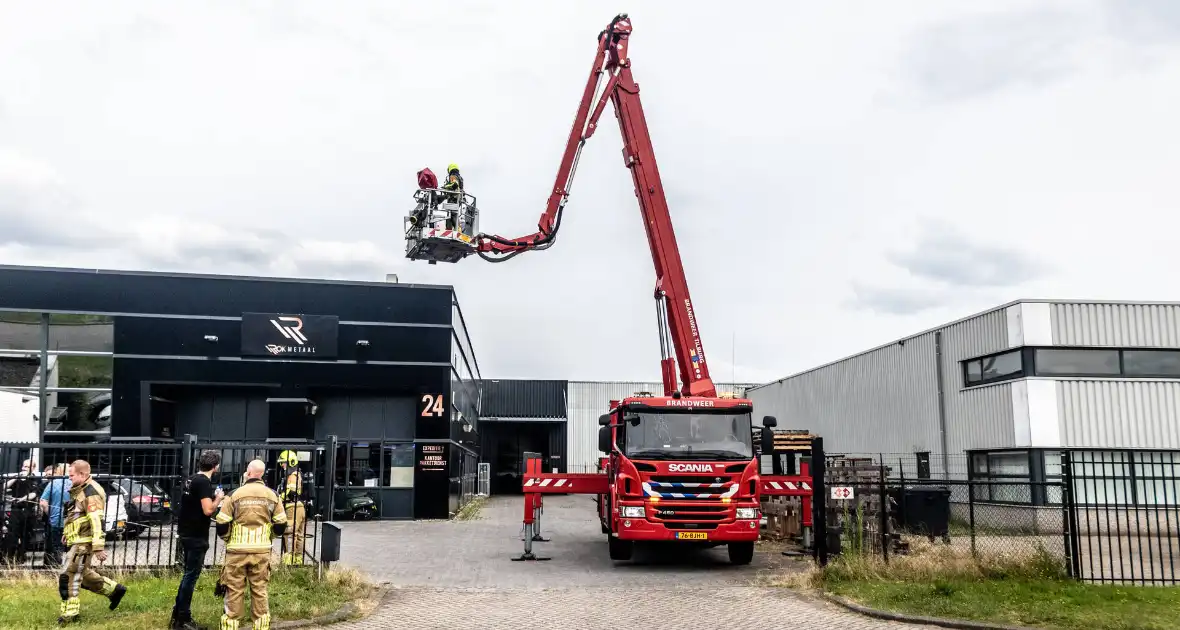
{"x":620,"y":549}
{"x":741,"y":552}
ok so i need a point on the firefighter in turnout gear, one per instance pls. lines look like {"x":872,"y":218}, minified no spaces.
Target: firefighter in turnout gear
{"x":291,"y":492}
{"x":84,"y":535}
{"x":248,"y":522}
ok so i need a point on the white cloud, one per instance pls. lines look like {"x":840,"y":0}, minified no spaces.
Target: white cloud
{"x":807,"y":153}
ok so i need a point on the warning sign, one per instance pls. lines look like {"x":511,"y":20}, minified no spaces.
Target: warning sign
{"x":842,"y":493}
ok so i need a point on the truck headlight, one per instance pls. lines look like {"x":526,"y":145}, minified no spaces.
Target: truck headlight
{"x":633,"y":511}
{"x":747,"y":513}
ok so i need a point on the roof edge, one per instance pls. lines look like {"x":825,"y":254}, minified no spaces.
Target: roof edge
{"x":959,"y":321}
{"x":213,"y":276}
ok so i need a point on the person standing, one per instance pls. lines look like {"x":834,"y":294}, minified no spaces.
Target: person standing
{"x":53,"y":502}
{"x":291,"y":493}
{"x":86,"y":538}
{"x":198,"y":501}
{"x":249,"y":520}
{"x":22,"y":489}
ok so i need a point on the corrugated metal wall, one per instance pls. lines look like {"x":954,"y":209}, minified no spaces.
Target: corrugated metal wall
{"x":886,"y":400}
{"x":588,"y":400}
{"x":1128,"y":414}
{"x":980,"y":417}
{"x":1097,"y":324}
{"x":509,"y":398}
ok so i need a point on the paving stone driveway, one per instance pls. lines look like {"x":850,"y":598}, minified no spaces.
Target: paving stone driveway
{"x":458,"y":575}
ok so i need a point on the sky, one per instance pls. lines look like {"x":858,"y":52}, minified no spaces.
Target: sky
{"x":839,"y":175}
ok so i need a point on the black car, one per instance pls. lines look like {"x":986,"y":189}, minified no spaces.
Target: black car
{"x":147,"y":503}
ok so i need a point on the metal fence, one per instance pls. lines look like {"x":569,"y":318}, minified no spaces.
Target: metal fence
{"x":1104,"y":516}
{"x":143,"y":485}
{"x":1125,"y":508}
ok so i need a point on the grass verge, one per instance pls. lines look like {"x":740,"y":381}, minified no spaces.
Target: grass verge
{"x":32,"y":601}
{"x":1028,"y":589}
{"x":470,"y":510}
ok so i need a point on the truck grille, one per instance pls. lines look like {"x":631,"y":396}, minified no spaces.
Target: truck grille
{"x":689,"y":487}
{"x":706,"y":479}
{"x":688,"y":515}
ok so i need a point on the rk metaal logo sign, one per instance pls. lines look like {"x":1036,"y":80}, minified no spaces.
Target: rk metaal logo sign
{"x":288,"y":335}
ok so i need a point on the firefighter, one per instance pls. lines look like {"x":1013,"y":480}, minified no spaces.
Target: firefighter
{"x":85,"y":537}
{"x":249,"y":519}
{"x":454,"y":193}
{"x":291,"y":493}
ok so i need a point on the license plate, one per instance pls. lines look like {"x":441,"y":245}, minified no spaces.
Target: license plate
{"x":692,"y":535}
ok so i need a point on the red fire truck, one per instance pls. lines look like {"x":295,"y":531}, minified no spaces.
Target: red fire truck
{"x":680,"y":466}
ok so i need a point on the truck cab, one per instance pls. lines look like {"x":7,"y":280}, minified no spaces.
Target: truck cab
{"x":680,"y":469}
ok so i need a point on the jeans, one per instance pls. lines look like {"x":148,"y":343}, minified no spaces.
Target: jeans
{"x":53,"y":546}
{"x":194,"y":560}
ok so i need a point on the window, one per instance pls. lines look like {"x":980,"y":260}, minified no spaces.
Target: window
{"x":364,"y":464}
{"x":1073,"y":362}
{"x":998,"y":367}
{"x":1062,"y":361}
{"x":1001,"y":477}
{"x":974,"y":372}
{"x":1164,"y":363}
{"x":1001,"y":365}
{"x":399,"y":461}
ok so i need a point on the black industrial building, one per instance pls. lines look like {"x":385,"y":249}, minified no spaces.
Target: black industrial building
{"x":387,"y":368}
{"x":519,"y":416}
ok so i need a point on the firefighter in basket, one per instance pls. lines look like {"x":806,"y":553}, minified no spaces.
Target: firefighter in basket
{"x":291,"y":493}
{"x":453,"y":193}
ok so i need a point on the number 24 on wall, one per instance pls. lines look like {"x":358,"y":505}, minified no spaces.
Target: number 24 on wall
{"x":432,"y":405}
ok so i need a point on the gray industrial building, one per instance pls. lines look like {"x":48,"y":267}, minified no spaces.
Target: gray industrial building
{"x":997,"y":393}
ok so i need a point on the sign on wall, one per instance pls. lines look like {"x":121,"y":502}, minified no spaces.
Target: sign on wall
{"x":279,"y":335}
{"x":432,"y":458}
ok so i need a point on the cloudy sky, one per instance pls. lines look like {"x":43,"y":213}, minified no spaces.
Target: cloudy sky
{"x":839,"y":175}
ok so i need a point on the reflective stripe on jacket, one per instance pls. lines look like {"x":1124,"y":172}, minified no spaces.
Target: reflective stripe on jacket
{"x":250,"y":511}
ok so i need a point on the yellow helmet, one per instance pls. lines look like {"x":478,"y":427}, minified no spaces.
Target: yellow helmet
{"x":289,"y":458}
{"x":452,"y":167}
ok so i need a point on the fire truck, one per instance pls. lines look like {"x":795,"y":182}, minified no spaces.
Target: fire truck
{"x":678,"y":467}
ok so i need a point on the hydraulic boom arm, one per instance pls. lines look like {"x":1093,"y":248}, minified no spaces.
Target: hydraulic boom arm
{"x":679,"y":333}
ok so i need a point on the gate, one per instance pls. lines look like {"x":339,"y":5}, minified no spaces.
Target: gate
{"x":1124,"y":513}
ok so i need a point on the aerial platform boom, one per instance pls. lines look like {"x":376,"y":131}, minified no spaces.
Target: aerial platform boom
{"x":611,"y":80}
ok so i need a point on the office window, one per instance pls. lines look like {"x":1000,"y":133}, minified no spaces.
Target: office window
{"x":399,"y":461}
{"x":1002,"y":365}
{"x":364,"y":464}
{"x":1071,"y":362}
{"x":1164,"y":363}
{"x":998,"y":367}
{"x":974,"y":372}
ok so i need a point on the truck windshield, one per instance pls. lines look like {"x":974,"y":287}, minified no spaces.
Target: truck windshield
{"x":681,"y":435}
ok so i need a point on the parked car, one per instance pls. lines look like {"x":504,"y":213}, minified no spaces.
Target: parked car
{"x":147,"y":503}
{"x":118,"y":521}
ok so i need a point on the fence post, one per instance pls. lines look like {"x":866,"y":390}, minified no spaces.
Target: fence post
{"x":971,"y":512}
{"x":186,"y":456}
{"x":1069,"y":522}
{"x":330,"y":478}
{"x":884,"y":508}
{"x":819,"y":503}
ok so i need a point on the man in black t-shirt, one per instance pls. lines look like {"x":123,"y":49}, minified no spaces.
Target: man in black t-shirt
{"x":198,"y":502}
